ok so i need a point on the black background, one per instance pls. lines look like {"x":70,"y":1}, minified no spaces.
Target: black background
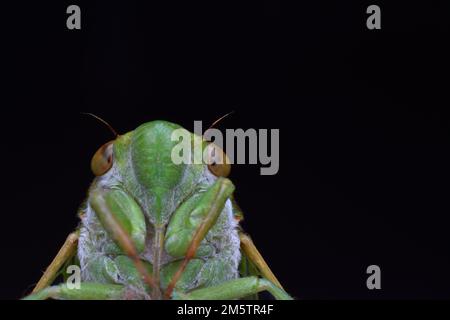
{"x":363,"y":118}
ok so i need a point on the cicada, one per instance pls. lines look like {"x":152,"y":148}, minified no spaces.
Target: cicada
{"x":153,"y":229}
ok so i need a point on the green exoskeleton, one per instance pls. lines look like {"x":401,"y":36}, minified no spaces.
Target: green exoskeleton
{"x":153,"y":229}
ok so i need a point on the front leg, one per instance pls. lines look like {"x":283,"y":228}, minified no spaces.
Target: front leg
{"x":124,"y":221}
{"x":87,"y":291}
{"x":234,"y":289}
{"x":190,"y":224}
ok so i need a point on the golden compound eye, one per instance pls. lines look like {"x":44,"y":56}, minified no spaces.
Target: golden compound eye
{"x":218,"y":162}
{"x":102,"y":160}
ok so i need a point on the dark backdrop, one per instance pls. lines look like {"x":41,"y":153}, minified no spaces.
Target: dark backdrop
{"x":363,"y":118}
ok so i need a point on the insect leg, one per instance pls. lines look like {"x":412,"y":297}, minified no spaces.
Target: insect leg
{"x":247,"y":269}
{"x":109,"y":207}
{"x":210,"y":207}
{"x":234,"y":289}
{"x":86,"y":291}
{"x":67,"y":251}
{"x":250,"y":250}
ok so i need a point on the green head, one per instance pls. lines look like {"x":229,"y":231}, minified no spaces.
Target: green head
{"x":140,"y":163}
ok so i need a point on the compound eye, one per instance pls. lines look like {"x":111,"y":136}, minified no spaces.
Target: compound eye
{"x":218,"y":162}
{"x":102,"y":160}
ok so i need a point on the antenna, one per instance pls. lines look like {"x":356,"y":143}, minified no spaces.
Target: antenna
{"x":102,"y":121}
{"x":218,"y":120}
